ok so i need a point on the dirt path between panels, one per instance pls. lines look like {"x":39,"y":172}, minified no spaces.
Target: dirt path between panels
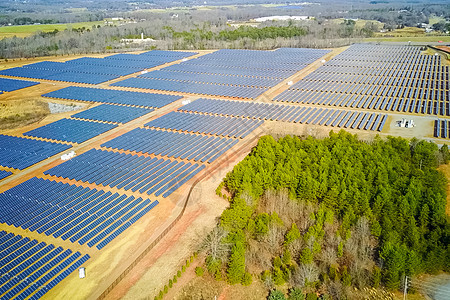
{"x":162,"y":262}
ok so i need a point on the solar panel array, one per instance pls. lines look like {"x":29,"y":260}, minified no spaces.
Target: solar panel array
{"x":216,"y":125}
{"x":92,"y":70}
{"x":296,"y":114}
{"x":112,"y":113}
{"x":20,"y":153}
{"x":74,"y":213}
{"x":4,"y":174}
{"x":130,"y":172}
{"x":391,"y":78}
{"x":173,"y":144}
{"x":31,"y":268}
{"x":9,"y":85}
{"x":113,"y":96}
{"x":232,"y":73}
{"x":192,"y":87}
{"x":441,"y":129}
{"x":70,"y":130}
{"x":212,"y":79}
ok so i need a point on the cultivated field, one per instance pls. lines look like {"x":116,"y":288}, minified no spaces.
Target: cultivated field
{"x":27,"y":30}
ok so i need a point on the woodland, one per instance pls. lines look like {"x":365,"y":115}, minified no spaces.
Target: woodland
{"x":332,"y":216}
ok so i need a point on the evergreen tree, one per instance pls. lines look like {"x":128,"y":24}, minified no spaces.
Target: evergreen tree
{"x":236,"y":265}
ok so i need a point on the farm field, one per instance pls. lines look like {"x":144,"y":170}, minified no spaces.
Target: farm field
{"x":27,"y":30}
{"x":157,"y":131}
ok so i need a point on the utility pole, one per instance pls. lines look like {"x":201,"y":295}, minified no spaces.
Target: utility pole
{"x":405,"y":289}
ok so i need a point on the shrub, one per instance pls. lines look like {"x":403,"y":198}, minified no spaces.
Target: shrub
{"x":179,"y":274}
{"x":276,"y":295}
{"x":247,"y":279}
{"x":199,"y":271}
{"x":170,"y":283}
{"x":311,"y":296}
{"x":166,"y":289}
{"x":183,"y":269}
{"x":296,"y":294}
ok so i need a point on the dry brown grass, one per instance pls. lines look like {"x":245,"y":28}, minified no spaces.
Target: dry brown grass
{"x":20,"y":113}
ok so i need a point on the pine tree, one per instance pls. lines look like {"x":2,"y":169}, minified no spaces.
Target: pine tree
{"x":236,"y":265}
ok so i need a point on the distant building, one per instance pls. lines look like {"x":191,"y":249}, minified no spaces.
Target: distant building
{"x":282,"y":18}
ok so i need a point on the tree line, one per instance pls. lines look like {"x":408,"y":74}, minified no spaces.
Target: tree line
{"x":173,"y":36}
{"x":331,"y":215}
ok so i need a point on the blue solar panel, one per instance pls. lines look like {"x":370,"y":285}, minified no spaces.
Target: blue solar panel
{"x":112,"y":113}
{"x":9,"y":85}
{"x":170,"y":144}
{"x":382,"y":77}
{"x":66,"y":211}
{"x":130,"y":172}
{"x":4,"y":174}
{"x":113,"y":96}
{"x":28,"y":266}
{"x":20,"y":153}
{"x":224,"y":126}
{"x":91,"y":70}
{"x":228,"y":72}
{"x":75,"y":131}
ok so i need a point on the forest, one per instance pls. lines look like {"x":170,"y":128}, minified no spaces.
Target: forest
{"x":332,"y":216}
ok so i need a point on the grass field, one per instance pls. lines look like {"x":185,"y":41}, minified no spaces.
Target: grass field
{"x":27,"y":30}
{"x":406,"y":34}
{"x":435,"y":19}
{"x":20,"y":113}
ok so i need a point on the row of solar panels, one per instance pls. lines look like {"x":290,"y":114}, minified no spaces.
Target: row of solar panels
{"x":373,"y":90}
{"x":32,"y":268}
{"x":441,"y":129}
{"x":284,"y":56}
{"x":9,"y":85}
{"x":113,"y":96}
{"x":126,"y":171}
{"x":92,"y":70}
{"x":410,"y":71}
{"x":376,"y":52}
{"x":216,"y":125}
{"x":229,"y":71}
{"x":408,"y":63}
{"x":112,"y":113}
{"x":211,"y":79}
{"x":74,"y":213}
{"x":369,"y":102}
{"x":172,"y":144}
{"x":418,"y":59}
{"x":192,"y":87}
{"x":296,"y":114}
{"x":20,"y":153}
{"x":70,"y":130}
{"x":4,"y":174}
{"x":413,"y":80}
